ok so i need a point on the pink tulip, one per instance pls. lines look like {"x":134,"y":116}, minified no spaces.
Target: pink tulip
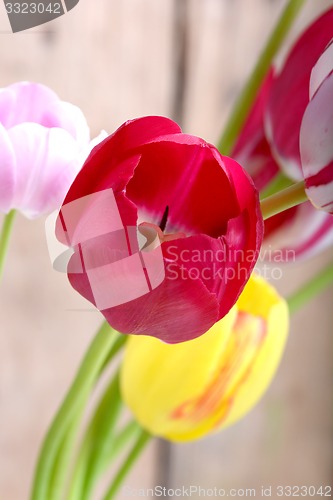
{"x":299,"y":232}
{"x":289,"y":94}
{"x":43,"y":143}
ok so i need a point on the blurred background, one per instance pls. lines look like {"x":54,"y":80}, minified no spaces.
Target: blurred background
{"x":116,"y":60}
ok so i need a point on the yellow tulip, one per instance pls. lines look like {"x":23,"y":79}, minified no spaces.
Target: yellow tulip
{"x":184,"y":391}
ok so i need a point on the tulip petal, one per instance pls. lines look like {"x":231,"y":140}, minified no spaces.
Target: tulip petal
{"x":151,"y":375}
{"x":48,"y":164}
{"x":253,"y":129}
{"x":24,"y":102}
{"x":175,"y":311}
{"x":68,"y":117}
{"x":7,"y":172}
{"x":321,"y":70}
{"x":109,"y":152}
{"x":252,"y":149}
{"x":316,"y":143}
{"x":261,"y":369}
{"x":223,"y":373}
{"x":224,"y":266}
{"x":194,"y":186}
{"x":290,"y":94}
{"x":245,"y":233}
{"x":280,"y":244}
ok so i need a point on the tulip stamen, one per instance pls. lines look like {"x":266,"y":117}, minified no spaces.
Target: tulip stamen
{"x":164,"y":220}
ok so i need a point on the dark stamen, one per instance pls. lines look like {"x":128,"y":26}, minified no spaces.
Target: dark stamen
{"x":164,"y":220}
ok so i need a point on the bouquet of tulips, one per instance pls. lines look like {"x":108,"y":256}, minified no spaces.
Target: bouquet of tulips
{"x":161,"y":232}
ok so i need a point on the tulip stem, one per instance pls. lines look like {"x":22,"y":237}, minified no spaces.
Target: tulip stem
{"x":128,"y":433}
{"x":4,"y":237}
{"x":99,"y":437}
{"x":141,"y":442}
{"x":132,"y":430}
{"x":282,"y":200}
{"x":279,"y":182}
{"x":314,"y":286}
{"x":63,"y":458}
{"x":244,"y":103}
{"x":70,"y":410}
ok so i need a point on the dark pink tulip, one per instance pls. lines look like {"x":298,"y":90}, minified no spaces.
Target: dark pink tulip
{"x":252,"y":149}
{"x":289,"y":95}
{"x":302,"y":231}
{"x":199,"y":208}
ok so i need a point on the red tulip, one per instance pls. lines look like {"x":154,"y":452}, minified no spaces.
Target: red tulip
{"x":199,"y":212}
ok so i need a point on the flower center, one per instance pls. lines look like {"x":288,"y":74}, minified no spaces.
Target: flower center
{"x":164,"y":219}
{"x":155,"y":235}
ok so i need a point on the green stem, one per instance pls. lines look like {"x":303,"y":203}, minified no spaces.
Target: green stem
{"x":63,"y":459}
{"x":101,"y":434}
{"x":125,"y":468}
{"x":132,"y":430}
{"x":77,"y":483}
{"x":65,"y":454}
{"x":281,"y":201}
{"x":316,"y":285}
{"x":71,"y":406}
{"x":129,"y":432}
{"x":279,"y":182}
{"x":244,"y":103}
{"x":4,"y":237}
{"x":116,"y":348}
{"x":104,"y":419}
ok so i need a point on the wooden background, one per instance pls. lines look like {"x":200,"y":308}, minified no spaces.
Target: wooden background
{"x":118,"y":59}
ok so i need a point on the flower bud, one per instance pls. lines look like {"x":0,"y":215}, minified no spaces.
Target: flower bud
{"x":199,"y":212}
{"x":44,"y":142}
{"x":183,"y":392}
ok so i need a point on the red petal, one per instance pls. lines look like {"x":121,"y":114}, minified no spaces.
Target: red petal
{"x":187,"y":179}
{"x":176,"y":311}
{"x":221,"y":265}
{"x":107,"y":164}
